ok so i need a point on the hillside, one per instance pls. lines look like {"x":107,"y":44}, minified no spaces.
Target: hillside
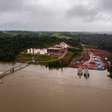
{"x":13,"y":42}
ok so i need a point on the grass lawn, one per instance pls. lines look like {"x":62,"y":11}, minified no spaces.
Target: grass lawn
{"x":24,"y":58}
{"x":40,"y":58}
{"x":43,"y":58}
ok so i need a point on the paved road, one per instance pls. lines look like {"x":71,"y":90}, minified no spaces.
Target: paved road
{"x":91,"y":58}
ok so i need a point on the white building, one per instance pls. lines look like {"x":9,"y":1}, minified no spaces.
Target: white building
{"x":36,"y":51}
{"x":44,"y":51}
{"x":62,"y":45}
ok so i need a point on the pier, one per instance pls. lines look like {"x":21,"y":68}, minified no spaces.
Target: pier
{"x":14,"y":69}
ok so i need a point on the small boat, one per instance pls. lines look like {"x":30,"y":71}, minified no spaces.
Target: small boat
{"x":80,"y":71}
{"x":86,"y":73}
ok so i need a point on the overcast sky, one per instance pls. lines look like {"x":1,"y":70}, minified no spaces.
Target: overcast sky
{"x":56,"y":15}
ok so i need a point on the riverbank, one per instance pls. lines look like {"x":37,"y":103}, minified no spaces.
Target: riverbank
{"x":51,"y":61}
{"x":110,"y":66}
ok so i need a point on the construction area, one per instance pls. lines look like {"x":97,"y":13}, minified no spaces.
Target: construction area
{"x":94,"y":59}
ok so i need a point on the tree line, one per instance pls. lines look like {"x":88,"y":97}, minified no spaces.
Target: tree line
{"x":11,"y":43}
{"x":14,"y":42}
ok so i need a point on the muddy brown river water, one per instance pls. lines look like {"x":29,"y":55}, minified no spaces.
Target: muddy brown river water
{"x":37,"y":89}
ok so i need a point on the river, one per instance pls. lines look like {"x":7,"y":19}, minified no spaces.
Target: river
{"x":38,"y":89}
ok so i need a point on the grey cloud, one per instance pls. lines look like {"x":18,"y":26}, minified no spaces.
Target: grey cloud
{"x":83,"y":12}
{"x":98,"y":11}
{"x":29,"y":14}
{"x":10,"y":5}
{"x":106,"y":5}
